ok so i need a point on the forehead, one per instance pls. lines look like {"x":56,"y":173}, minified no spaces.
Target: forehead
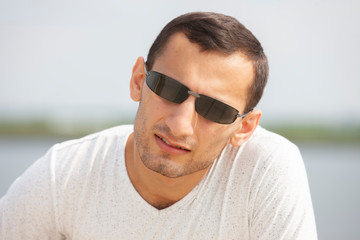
{"x":224,"y":77}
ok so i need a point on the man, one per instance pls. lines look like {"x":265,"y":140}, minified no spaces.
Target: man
{"x":195,"y":165}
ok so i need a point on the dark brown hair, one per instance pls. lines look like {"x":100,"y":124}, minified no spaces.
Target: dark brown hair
{"x":221,"y":33}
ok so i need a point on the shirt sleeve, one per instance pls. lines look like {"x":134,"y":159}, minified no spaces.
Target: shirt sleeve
{"x":28,"y":211}
{"x":280,"y":200}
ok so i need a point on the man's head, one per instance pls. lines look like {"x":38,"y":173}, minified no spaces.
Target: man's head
{"x":175,"y":139}
{"x":219,"y":33}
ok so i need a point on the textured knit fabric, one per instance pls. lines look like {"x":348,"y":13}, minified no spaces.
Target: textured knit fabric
{"x":80,"y":190}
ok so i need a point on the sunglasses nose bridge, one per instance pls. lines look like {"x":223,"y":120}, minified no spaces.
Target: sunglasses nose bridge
{"x":194,"y":94}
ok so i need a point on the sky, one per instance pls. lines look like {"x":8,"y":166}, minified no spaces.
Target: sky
{"x":66,"y":60}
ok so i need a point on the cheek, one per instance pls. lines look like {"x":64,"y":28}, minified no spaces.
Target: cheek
{"x":151,"y":106}
{"x":214,"y":137}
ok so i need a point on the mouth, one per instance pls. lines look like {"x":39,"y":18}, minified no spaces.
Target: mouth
{"x":168,"y":146}
{"x":165,"y":141}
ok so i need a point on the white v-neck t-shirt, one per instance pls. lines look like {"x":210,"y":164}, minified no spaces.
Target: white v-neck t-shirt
{"x":81,"y":190}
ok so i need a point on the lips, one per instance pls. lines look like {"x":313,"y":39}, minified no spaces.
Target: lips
{"x":170,"y":147}
{"x":164,"y":140}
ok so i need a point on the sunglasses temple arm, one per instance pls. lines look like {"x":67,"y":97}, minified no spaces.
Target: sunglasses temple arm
{"x":245,"y":114}
{"x":146,"y":72}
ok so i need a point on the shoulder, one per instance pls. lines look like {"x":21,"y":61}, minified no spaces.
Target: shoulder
{"x":112,"y":139}
{"x":268,"y":147}
{"x":269,"y":157}
{"x":264,"y":148}
{"x":61,"y":181}
{"x":78,"y":166}
{"x":267,"y":142}
{"x":279,"y":190}
{"x":274,"y":161}
{"x":90,"y":152}
{"x":118,"y":133}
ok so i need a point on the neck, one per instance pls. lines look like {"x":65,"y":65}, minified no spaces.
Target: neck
{"x":158,"y":190}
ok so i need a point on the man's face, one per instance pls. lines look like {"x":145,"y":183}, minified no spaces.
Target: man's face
{"x":172,"y":139}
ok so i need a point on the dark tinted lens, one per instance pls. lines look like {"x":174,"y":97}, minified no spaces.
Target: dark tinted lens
{"x":166,"y":87}
{"x":215,"y":110}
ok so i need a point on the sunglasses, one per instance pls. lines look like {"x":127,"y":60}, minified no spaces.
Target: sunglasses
{"x":173,"y":91}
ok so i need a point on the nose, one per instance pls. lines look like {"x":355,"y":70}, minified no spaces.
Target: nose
{"x":182,"y":118}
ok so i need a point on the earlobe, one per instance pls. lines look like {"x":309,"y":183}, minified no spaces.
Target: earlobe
{"x":246,"y":128}
{"x":137,"y":79}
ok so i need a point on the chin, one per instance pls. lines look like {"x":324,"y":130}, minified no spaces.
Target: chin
{"x":165,"y":169}
{"x":170,"y":169}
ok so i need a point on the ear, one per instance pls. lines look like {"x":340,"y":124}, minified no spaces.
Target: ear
{"x":137,"y":79}
{"x":246,"y":128}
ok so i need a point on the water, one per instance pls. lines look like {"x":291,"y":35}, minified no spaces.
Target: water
{"x":332,"y":171}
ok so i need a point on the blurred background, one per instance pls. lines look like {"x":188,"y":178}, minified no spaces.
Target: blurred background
{"x":65,"y":68}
